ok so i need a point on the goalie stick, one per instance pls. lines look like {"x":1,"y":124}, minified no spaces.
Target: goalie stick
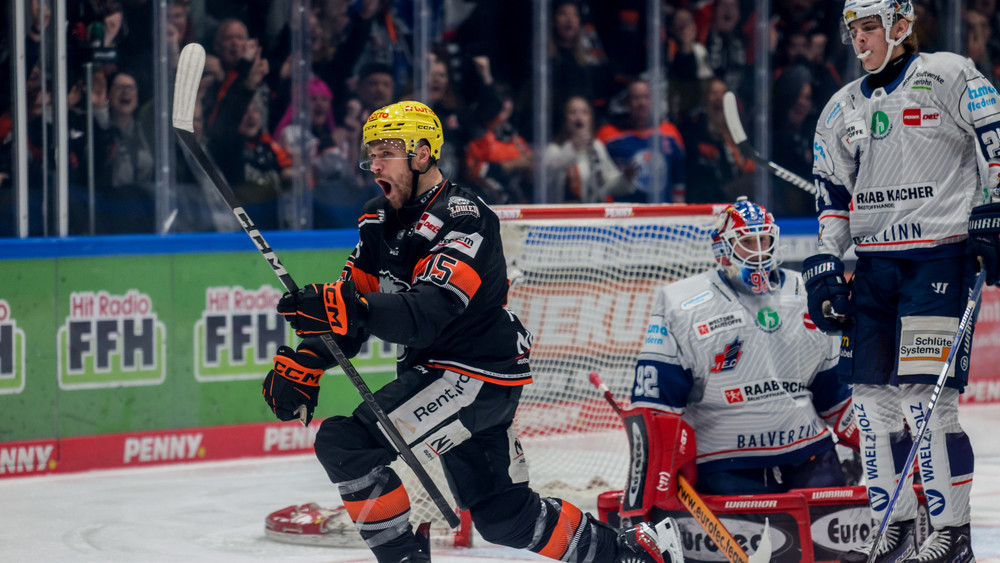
{"x":691,"y":500}
{"x":735,"y":126}
{"x":189,"y":72}
{"x":963,"y":325}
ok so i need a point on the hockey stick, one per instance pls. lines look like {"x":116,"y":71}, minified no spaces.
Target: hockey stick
{"x":189,"y":72}
{"x":739,"y":136}
{"x":691,"y":500}
{"x":963,"y":325}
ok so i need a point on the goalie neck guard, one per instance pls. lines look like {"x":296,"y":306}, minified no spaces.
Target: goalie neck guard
{"x":744,"y":243}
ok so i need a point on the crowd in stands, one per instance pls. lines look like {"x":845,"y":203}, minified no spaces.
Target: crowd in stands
{"x":480,"y":83}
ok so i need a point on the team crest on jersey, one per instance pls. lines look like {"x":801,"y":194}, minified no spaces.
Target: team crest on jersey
{"x":881,"y":125}
{"x":921,"y":117}
{"x":726,"y":361}
{"x":459,"y":206}
{"x":768,"y":320}
{"x":719,"y":323}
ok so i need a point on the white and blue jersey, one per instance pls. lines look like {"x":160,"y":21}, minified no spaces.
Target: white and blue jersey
{"x":900,"y":167}
{"x":750,"y":373}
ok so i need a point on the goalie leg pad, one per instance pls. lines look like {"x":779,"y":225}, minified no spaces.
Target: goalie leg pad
{"x":662,"y":446}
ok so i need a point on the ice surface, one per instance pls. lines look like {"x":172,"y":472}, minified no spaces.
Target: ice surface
{"x":215,"y":511}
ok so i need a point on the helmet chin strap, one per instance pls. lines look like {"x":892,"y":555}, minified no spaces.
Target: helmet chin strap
{"x":416,"y":178}
{"x":891,"y":44}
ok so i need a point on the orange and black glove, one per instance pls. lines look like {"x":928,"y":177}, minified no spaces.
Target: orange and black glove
{"x":315,"y":309}
{"x":293,"y":382}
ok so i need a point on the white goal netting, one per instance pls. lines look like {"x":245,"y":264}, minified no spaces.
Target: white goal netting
{"x":582,"y":281}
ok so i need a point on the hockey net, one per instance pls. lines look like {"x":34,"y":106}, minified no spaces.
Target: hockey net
{"x":582,"y":281}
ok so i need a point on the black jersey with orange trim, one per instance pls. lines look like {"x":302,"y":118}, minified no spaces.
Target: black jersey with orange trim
{"x":435,"y":279}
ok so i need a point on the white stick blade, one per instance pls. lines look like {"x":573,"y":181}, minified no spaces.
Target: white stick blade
{"x":189,"y":70}
{"x":763,"y":553}
{"x":732,"y":112}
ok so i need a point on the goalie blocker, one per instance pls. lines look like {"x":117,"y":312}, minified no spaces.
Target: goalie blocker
{"x":807,"y":525}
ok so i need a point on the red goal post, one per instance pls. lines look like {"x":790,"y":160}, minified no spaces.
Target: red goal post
{"x":582,"y":281}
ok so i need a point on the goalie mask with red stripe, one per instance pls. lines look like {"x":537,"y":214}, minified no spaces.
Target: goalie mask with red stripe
{"x":744,"y":243}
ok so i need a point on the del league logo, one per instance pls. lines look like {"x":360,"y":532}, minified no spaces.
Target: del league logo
{"x":921,"y":117}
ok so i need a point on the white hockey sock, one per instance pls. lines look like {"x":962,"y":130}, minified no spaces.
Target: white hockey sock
{"x":884,"y":447}
{"x":944,"y":457}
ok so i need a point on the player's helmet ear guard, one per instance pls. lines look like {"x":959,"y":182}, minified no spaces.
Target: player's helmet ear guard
{"x":744,"y":243}
{"x":408,"y":121}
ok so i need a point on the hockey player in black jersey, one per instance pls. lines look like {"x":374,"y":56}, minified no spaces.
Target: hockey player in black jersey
{"x":429,"y":275}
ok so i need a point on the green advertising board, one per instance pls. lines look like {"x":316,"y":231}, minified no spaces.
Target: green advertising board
{"x":179,"y":336}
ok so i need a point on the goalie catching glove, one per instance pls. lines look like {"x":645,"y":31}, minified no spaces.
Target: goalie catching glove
{"x":828,"y":292}
{"x":984,"y":238}
{"x":315,"y":309}
{"x":293,"y":382}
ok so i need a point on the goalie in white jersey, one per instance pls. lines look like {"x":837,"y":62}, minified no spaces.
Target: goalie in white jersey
{"x":904,"y":159}
{"x":733,"y":353}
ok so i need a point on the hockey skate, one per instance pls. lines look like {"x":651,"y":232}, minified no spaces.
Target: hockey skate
{"x":897,"y":546}
{"x":644,"y":543}
{"x":950,"y":544}
{"x":423,"y":536}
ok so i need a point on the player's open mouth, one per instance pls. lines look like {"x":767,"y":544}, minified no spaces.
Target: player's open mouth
{"x":386,"y":187}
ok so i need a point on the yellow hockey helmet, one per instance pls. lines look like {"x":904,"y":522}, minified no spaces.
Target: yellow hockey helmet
{"x":409,"y":121}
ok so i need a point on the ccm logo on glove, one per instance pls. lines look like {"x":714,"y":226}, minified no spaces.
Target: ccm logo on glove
{"x":335,"y":307}
{"x":288,"y":368}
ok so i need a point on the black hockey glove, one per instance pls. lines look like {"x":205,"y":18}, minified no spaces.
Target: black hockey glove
{"x":829,"y":303}
{"x":984,"y":238}
{"x":335,"y":307}
{"x":294,"y":381}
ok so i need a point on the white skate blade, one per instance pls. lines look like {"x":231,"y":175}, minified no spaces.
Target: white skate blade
{"x":763,"y":553}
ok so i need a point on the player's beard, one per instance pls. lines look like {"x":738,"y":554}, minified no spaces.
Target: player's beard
{"x":398,"y":189}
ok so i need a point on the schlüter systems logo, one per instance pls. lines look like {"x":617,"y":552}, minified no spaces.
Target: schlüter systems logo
{"x":11,"y":352}
{"x":238,"y":333}
{"x":111,"y":341}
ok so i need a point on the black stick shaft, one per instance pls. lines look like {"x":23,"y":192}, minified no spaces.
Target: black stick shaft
{"x":189,"y":141}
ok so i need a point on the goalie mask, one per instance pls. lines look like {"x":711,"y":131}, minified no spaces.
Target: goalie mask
{"x":888,"y":11}
{"x":744,"y":243}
